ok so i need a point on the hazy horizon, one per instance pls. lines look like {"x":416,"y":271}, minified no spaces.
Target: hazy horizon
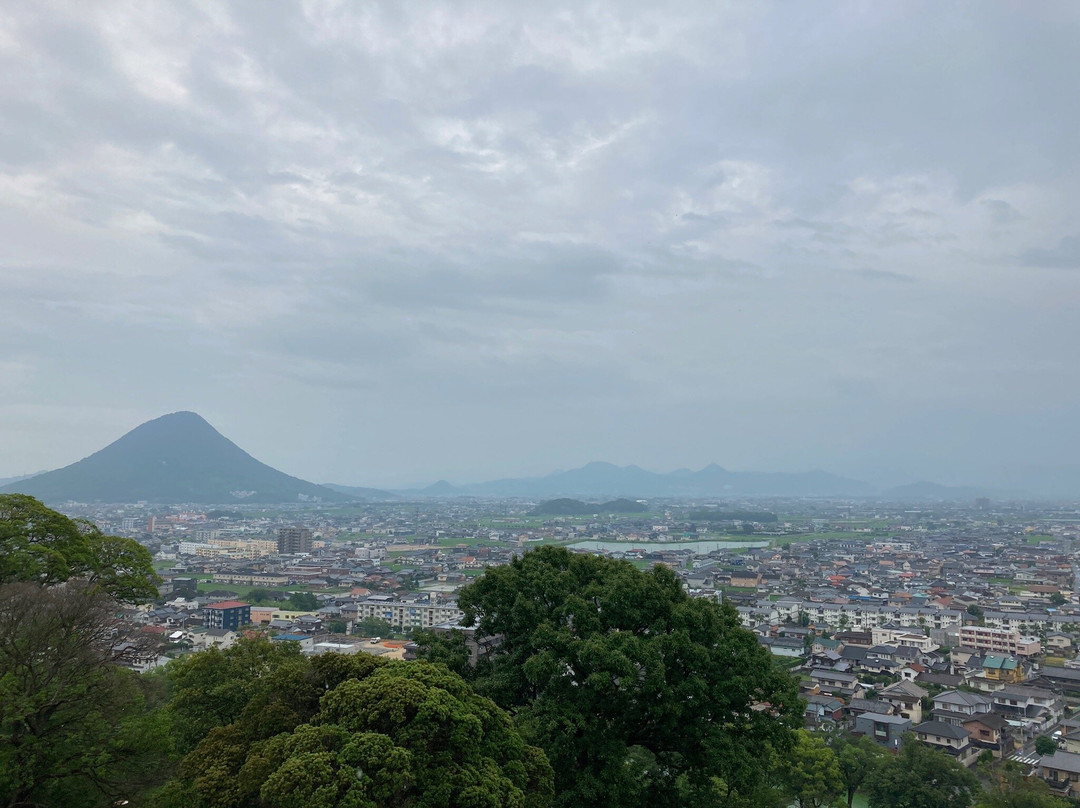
{"x":388,"y":245}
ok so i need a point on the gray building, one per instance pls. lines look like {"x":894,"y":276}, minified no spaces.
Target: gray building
{"x":883,"y":729}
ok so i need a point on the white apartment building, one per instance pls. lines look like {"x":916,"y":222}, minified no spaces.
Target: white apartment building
{"x":892,"y":636}
{"x":870,"y":615}
{"x":999,"y":640}
{"x":405,"y":614}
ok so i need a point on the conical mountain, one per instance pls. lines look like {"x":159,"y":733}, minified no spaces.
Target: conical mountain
{"x":174,"y":458}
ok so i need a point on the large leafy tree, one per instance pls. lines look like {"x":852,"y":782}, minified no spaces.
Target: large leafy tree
{"x":857,"y":758}
{"x":1045,"y":745}
{"x":809,"y":773}
{"x":638,"y":693}
{"x":921,"y":777}
{"x":279,"y":729}
{"x":73,"y":728}
{"x":41,"y":546}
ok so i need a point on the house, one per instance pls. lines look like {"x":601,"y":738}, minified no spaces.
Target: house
{"x":834,"y":682}
{"x":306,"y":643}
{"x":1070,"y":739}
{"x":955,"y":706}
{"x":873,"y":664}
{"x":853,"y":654}
{"x":989,"y":731}
{"x":1058,"y":642}
{"x":1037,"y":709}
{"x":784,"y":646}
{"x":948,"y":738}
{"x":998,"y":668}
{"x":202,"y":638}
{"x":823,"y":711}
{"x":1068,"y":679}
{"x":946,"y":680}
{"x":907,"y":698}
{"x":886,"y":730}
{"x":821,"y":645}
{"x":856,"y":707}
{"x":1061,"y":771}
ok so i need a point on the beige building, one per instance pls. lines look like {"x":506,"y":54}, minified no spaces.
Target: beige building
{"x":999,"y":640}
{"x":403,"y":614}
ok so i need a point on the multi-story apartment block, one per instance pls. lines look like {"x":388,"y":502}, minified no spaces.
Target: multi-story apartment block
{"x":228,"y":614}
{"x":1000,"y":640}
{"x":403,"y":614}
{"x":251,"y":578}
{"x":296,"y":539}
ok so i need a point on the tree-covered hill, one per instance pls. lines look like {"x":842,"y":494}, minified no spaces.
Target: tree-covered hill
{"x":575,"y":507}
{"x":175,"y":458}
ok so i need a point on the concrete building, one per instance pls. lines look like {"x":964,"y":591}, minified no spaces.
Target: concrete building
{"x":883,"y":729}
{"x":403,"y":614}
{"x":999,"y":640}
{"x":228,"y":614}
{"x":295,"y":539}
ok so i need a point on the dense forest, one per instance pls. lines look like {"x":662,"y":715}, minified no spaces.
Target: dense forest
{"x":606,"y":686}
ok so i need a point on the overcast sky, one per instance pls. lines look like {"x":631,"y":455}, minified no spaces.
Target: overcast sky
{"x":384,"y":244}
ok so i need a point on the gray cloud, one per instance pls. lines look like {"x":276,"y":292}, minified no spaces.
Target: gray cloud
{"x":1066,"y":255}
{"x":518,"y":239}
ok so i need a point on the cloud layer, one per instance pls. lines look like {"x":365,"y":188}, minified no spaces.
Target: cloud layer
{"x":389,"y":243}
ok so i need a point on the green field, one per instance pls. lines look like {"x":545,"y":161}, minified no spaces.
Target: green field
{"x":243,"y":592}
{"x":467,"y":542}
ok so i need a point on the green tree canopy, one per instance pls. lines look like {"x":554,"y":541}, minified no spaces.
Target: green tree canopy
{"x":73,"y":728}
{"x":303,"y":602}
{"x":857,"y":758}
{"x":809,"y":773}
{"x":373,"y":627}
{"x":920,"y":777}
{"x":39,"y":545}
{"x":1045,"y":745}
{"x":276,"y":728}
{"x":638,"y":693}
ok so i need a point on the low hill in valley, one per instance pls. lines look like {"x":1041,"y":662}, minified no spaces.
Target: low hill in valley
{"x":575,"y":507}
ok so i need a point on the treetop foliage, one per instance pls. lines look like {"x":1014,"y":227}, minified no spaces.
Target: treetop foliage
{"x":920,"y":777}
{"x":637,"y":692}
{"x":41,"y":546}
{"x":268,"y":726}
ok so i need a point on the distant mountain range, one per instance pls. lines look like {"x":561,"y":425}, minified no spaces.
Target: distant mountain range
{"x":181,"y":458}
{"x":608,"y":480}
{"x":598,"y":480}
{"x":8,"y":480}
{"x":172,"y":459}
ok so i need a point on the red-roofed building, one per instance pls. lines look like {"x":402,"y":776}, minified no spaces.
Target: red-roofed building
{"x":228,"y":614}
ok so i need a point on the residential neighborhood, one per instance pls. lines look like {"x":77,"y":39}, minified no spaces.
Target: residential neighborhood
{"x":954,"y":625}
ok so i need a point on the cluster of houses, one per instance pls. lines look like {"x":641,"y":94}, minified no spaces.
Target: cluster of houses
{"x":183,"y":625}
{"x":962,"y":630}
